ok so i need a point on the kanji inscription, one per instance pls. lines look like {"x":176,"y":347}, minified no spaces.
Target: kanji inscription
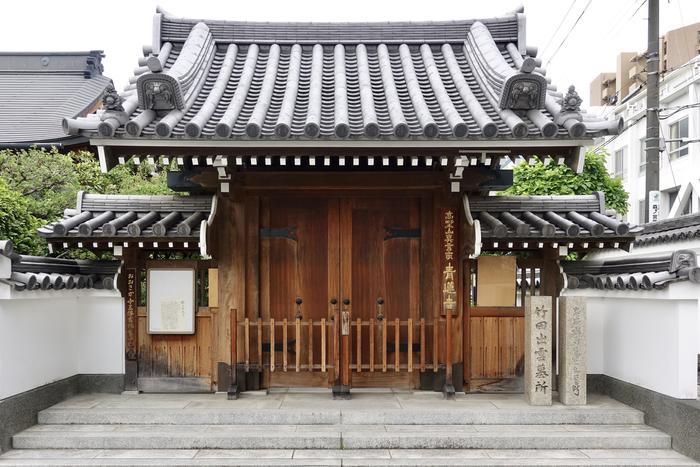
{"x":449,"y":291}
{"x":538,"y":350}
{"x":572,"y":350}
{"x":131,"y":309}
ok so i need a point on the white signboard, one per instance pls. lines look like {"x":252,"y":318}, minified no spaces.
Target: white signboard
{"x":171,"y":301}
{"x":654,"y":205}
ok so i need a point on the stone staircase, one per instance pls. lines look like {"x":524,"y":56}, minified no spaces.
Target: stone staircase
{"x":372,"y":428}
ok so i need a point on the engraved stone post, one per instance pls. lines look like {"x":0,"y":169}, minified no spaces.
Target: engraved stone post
{"x":572,"y":350}
{"x":538,"y":350}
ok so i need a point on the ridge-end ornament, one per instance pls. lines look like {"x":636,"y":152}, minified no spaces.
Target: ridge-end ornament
{"x":159,"y":92}
{"x":523,"y":92}
{"x":111,"y":100}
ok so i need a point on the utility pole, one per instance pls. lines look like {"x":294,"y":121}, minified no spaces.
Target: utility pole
{"x":652,"y":138}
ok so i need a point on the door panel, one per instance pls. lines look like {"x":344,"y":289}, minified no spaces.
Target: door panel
{"x":297,"y":244}
{"x":380,"y":260}
{"x":359,"y":249}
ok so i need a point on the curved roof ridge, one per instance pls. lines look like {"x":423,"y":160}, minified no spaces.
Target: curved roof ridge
{"x":506,"y":28}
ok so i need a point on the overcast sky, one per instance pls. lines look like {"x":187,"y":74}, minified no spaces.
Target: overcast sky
{"x":120,"y":28}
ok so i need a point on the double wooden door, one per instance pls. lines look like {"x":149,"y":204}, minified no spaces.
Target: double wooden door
{"x":350,"y":261}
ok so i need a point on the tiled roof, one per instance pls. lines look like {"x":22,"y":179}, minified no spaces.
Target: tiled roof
{"x":645,"y":272}
{"x":44,"y":273}
{"x":670,"y":230}
{"x":126,"y":217}
{"x":38,"y":90}
{"x":455,"y":80}
{"x":548,"y":218}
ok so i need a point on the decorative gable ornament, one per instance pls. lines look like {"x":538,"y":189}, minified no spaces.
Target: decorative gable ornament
{"x":571,"y":101}
{"x":524,"y":91}
{"x":159,"y":92}
{"x":570,"y":107}
{"x":111,"y":100}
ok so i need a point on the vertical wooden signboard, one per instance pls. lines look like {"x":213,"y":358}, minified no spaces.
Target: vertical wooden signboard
{"x":131,"y":331}
{"x":448,"y":261}
{"x":131,"y":313}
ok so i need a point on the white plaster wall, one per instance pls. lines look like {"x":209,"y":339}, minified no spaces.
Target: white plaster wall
{"x":645,"y":338}
{"x":47,"y":336}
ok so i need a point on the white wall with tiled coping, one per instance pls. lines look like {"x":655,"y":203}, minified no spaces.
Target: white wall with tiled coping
{"x":46,"y":336}
{"x":647,"y":338}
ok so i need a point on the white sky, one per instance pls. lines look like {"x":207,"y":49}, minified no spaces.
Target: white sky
{"x":120,"y":28}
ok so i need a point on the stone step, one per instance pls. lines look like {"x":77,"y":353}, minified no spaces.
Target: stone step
{"x":341,"y":437}
{"x":436,"y":416}
{"x":425,"y":457}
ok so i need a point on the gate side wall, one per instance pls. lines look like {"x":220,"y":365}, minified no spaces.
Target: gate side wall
{"x":53,"y":336}
{"x":647,"y":338}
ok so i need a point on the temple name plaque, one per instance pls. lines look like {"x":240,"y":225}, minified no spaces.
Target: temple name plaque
{"x":171,"y":301}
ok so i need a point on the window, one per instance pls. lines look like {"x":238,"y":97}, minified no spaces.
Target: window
{"x":642,"y":213}
{"x":679,"y":130}
{"x":642,"y":156}
{"x":620,"y":162}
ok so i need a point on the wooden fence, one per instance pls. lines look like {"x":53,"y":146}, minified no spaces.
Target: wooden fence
{"x":313,"y":345}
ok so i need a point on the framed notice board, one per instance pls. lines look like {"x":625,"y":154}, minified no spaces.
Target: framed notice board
{"x":171,"y":301}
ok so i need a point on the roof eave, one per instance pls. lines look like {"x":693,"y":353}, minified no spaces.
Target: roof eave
{"x":324,"y":143}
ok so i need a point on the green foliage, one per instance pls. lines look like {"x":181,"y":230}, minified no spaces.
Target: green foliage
{"x":47,"y":182}
{"x":553,"y":179}
{"x":17,"y":223}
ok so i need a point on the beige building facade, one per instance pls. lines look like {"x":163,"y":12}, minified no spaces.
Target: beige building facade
{"x":676,"y":48}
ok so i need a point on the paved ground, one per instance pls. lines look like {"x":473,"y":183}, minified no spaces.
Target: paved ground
{"x":302,"y":427}
{"x":362,"y":399}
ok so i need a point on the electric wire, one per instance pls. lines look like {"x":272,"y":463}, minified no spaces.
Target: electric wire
{"x":556,"y":31}
{"x":569,"y":33}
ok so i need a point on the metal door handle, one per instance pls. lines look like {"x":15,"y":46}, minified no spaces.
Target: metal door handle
{"x":380,"y":309}
{"x":345,"y":323}
{"x":345,"y":318}
{"x":334,"y":306}
{"x":298,"y":301}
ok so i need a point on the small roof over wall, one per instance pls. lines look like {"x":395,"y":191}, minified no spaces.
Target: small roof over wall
{"x":530,"y":222}
{"x":669,"y":230}
{"x":104,"y":221}
{"x":39,"y":89}
{"x":636,"y":272}
{"x":44,"y":273}
{"x":205,"y":83}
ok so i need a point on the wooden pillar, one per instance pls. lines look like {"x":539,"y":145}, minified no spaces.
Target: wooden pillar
{"x":130,"y":290}
{"x":450,"y":286}
{"x":231,"y":265}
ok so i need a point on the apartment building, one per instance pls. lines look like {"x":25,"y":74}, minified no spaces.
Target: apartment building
{"x":679,"y":162}
{"x":676,"y":48}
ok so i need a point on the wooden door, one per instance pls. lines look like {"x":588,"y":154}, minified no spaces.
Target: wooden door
{"x":379,"y":251}
{"x":299,"y":262}
{"x":355,"y":252}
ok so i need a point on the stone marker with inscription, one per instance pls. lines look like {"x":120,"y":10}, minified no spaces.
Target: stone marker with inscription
{"x":572,"y":350}
{"x":538,"y":350}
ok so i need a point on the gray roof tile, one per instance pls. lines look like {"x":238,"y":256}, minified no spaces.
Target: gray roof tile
{"x":44,"y":273}
{"x":548,"y":218}
{"x":636,"y":272}
{"x":426,"y":80}
{"x":39,"y":90}
{"x":129,"y":217}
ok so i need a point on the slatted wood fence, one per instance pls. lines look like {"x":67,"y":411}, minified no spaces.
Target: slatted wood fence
{"x":310,"y":345}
